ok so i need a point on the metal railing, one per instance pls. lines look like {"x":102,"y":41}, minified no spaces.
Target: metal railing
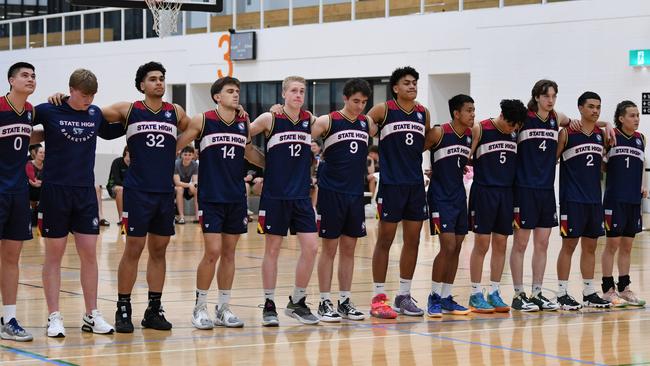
{"x":33,"y":32}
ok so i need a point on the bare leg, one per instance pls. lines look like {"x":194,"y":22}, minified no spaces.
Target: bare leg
{"x":498,"y":256}
{"x":540,"y":248}
{"x":157,"y":263}
{"x":270,"y":263}
{"x":54,"y":250}
{"x":307,"y":259}
{"x":326,"y":264}
{"x":520,"y":242}
{"x":127,"y":271}
{"x":179,"y":202}
{"x":87,"y":249}
{"x":624,"y":256}
{"x":380,"y":255}
{"x":119,"y":200}
{"x":481,"y":246}
{"x":10,"y":254}
{"x":206,"y":269}
{"x":607,"y":259}
{"x":346,"y":262}
{"x":587,"y":257}
{"x":226,"y":271}
{"x":564,"y":258}
{"x":409,"y":256}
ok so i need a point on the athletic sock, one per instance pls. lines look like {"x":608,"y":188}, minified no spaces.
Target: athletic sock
{"x":494,"y":286}
{"x":201,"y":297}
{"x":269,"y":294}
{"x":325,"y":296}
{"x":536,"y":289}
{"x":476,"y":288}
{"x":518,"y":289}
{"x":124,"y":298}
{"x":588,"y":288}
{"x":298,"y":294}
{"x":8,"y":312}
{"x":562,"y":287}
{"x":224,"y":297}
{"x":436,"y":288}
{"x":404,"y":286}
{"x":378,"y":288}
{"x":446,"y":290}
{"x":344,"y":295}
{"x":623,"y":282}
{"x":154,"y":299}
{"x":608,"y":282}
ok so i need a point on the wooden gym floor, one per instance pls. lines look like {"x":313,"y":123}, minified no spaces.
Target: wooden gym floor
{"x":610,"y":337}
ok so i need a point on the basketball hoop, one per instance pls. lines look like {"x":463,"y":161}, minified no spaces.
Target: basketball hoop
{"x":165,"y":16}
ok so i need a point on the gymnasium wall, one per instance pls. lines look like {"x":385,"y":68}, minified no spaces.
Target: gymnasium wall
{"x":497,"y":53}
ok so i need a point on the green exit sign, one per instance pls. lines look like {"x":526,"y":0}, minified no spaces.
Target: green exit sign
{"x":640,"y":58}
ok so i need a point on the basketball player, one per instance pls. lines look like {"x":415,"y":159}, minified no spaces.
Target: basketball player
{"x":340,"y":196}
{"x":225,"y":141}
{"x":68,"y":201}
{"x":402,"y":124}
{"x":624,"y":188}
{"x":494,"y":153}
{"x":535,"y":208}
{"x":285,"y":202}
{"x":15,"y":218}
{"x":581,"y":210}
{"x":450,"y":150}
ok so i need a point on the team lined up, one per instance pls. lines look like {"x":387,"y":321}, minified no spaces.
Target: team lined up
{"x":517,"y":149}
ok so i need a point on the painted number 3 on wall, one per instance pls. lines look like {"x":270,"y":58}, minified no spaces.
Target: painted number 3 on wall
{"x":226,"y":56}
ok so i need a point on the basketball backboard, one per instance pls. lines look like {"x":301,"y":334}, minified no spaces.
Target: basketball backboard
{"x":210,"y":6}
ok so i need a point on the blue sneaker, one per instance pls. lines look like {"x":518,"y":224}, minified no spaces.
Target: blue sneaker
{"x":478,"y":304}
{"x":497,"y":302}
{"x":434,"y":310}
{"x":451,"y":307}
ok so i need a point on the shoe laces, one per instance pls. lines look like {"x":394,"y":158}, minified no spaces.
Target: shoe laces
{"x":15,"y":327}
{"x":348,"y":306}
{"x":328,"y":306}
{"x":541,"y":297}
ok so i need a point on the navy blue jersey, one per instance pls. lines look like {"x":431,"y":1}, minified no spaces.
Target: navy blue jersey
{"x":495,"y":156}
{"x":625,"y":168}
{"x":401,"y":142}
{"x":536,"y":149}
{"x":71,"y":139}
{"x":151,"y":137}
{"x":580,"y":165}
{"x":448,"y":159}
{"x":345,"y":149}
{"x":288,"y":157}
{"x":222,"y":158}
{"x":15,"y":129}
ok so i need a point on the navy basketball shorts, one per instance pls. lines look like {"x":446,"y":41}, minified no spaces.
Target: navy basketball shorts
{"x":340,"y":214}
{"x":277,"y":216}
{"x":148,"y":212}
{"x":65,"y":209}
{"x":448,"y":216}
{"x":621,"y":218}
{"x":490,"y":209}
{"x":534,"y":208}
{"x":15,"y":216}
{"x":581,"y":219}
{"x":223,"y":217}
{"x":401,"y":202}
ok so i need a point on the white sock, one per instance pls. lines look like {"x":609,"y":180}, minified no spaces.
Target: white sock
{"x":325,"y":296}
{"x":298,"y":294}
{"x":379,"y":288}
{"x":269,"y":293}
{"x":494,"y":286}
{"x":588,"y":287}
{"x":344,"y":295}
{"x":446,"y":290}
{"x":436,"y":288}
{"x":518,"y":289}
{"x":8,"y":312}
{"x":404,"y":286}
{"x":536,"y":289}
{"x":201,"y":296}
{"x":224,"y":297}
{"x":562,"y":287}
{"x":476,"y":288}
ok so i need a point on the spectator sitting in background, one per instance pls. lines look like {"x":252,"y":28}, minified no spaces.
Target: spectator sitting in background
{"x":102,"y":220}
{"x":373,"y":167}
{"x":186,"y":173}
{"x":254,"y":181}
{"x":34,"y":170}
{"x":115,"y":185}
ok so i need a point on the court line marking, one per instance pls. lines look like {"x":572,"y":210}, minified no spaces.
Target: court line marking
{"x":35,"y":356}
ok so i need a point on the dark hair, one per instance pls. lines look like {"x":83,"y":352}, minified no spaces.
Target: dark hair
{"x":187,"y":149}
{"x":13,"y":69}
{"x":34,"y":147}
{"x":143,"y":70}
{"x":220,"y":83}
{"x":399,"y":74}
{"x":356,"y":85}
{"x":513,"y":111}
{"x":373,"y":149}
{"x":540,"y":88}
{"x":621,"y":110}
{"x":587,"y":95}
{"x":125,"y":151}
{"x":456,"y":103}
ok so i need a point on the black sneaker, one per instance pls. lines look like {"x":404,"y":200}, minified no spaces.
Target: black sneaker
{"x":327,"y":313}
{"x":300,"y":312}
{"x":543,"y":303}
{"x":568,"y":303}
{"x":349,"y":311}
{"x":123,"y":322}
{"x":595,"y":301}
{"x":154,"y":318}
{"x":521,"y":303}
{"x":269,"y":314}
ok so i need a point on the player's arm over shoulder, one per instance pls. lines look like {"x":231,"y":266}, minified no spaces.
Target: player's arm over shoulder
{"x":261,"y":124}
{"x":320,"y":126}
{"x":183,"y":118}
{"x":191,"y":132}
{"x":562,"y":139}
{"x":476,"y":136}
{"x":432,"y":138}
{"x":116,"y":112}
{"x":377,"y":113}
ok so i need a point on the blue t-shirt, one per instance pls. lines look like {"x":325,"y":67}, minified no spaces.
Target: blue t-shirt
{"x":71,"y":138}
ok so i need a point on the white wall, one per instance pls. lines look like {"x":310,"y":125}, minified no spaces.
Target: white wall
{"x":580,"y":44}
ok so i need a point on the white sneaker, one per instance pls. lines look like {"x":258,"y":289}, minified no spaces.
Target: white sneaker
{"x":226,"y":318}
{"x":201,"y":317}
{"x":95,"y":323}
{"x":55,"y":327}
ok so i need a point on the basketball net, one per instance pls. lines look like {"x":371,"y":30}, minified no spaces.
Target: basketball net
{"x":165,"y":16}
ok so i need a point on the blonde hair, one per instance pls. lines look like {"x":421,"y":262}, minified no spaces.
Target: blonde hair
{"x":83,"y":80}
{"x":289,"y":79}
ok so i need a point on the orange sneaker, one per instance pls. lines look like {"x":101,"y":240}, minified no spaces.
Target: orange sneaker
{"x":379,"y":307}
